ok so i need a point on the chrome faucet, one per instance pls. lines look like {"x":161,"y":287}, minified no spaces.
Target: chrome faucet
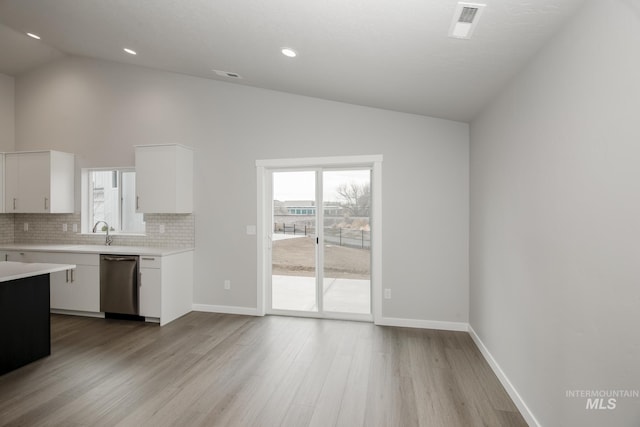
{"x":108,"y":240}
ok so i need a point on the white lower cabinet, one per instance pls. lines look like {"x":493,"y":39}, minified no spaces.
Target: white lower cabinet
{"x":73,"y":290}
{"x":166,"y":286}
{"x":150,"y":289}
{"x":76,"y":290}
{"x":16,"y":256}
{"x":165,"y":290}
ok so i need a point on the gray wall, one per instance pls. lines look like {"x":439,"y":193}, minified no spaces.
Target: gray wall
{"x":555,"y":220}
{"x":6,"y":113}
{"x":99,"y":110}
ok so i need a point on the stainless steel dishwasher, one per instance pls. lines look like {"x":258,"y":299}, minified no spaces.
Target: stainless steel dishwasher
{"x":119,"y":275}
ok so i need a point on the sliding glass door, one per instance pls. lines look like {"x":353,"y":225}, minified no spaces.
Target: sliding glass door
{"x":346,"y":239}
{"x":294,"y":248}
{"x":325,"y":270}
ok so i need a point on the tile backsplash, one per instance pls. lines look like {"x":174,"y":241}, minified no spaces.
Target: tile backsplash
{"x":6,"y":228}
{"x":179,"y":230}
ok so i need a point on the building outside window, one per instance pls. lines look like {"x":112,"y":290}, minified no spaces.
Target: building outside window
{"x":112,"y":198}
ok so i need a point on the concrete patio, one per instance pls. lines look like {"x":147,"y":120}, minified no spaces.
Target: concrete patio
{"x":340,"y":295}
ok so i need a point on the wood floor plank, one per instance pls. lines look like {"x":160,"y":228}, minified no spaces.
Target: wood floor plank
{"x":298,"y":415}
{"x":266,"y":375}
{"x":354,"y":401}
{"x":330,"y":397}
{"x":276,"y":408}
{"x":208,"y":369}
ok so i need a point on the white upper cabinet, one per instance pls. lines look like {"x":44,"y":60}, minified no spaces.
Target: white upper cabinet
{"x":39,"y":182}
{"x":164,"y":179}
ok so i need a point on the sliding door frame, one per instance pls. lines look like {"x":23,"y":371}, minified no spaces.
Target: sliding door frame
{"x":264,"y":169}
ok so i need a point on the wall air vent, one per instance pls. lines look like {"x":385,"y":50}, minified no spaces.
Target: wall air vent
{"x":465,"y":19}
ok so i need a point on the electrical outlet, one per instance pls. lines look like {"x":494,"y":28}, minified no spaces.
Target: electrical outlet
{"x":75,"y":228}
{"x":227,"y":285}
{"x":161,"y":228}
{"x":26,"y":226}
{"x":64,"y":227}
{"x":387,"y":293}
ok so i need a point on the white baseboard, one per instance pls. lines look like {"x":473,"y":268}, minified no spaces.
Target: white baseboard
{"x":227,"y":309}
{"x":511,"y":390}
{"x":76,"y":313}
{"x":423,"y":324}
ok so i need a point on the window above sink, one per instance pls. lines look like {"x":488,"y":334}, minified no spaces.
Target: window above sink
{"x":109,"y":195}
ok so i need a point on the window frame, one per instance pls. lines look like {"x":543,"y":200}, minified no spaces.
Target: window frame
{"x":86,"y":211}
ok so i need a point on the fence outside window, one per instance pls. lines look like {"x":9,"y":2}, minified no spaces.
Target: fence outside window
{"x":347,"y":237}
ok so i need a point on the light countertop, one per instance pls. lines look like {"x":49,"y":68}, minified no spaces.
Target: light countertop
{"x":94,"y":249}
{"x":19,"y":270}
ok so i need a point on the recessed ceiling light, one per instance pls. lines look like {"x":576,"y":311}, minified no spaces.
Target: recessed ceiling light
{"x":34,"y":36}
{"x":287,"y":51}
{"x":129,"y":51}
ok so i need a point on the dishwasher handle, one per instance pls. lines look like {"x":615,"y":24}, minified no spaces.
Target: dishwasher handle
{"x":118,"y":258}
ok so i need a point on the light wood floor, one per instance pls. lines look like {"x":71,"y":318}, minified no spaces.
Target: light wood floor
{"x":212,"y":369}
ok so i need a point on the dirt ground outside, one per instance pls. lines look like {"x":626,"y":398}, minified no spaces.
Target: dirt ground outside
{"x":296,"y":257}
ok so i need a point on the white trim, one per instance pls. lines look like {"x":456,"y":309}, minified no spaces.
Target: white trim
{"x":262,"y":239}
{"x":327,"y":315}
{"x":320,"y":247}
{"x":423,"y":324}
{"x":376,"y":240}
{"x":504,"y":380}
{"x":77,"y":313}
{"x":319,"y":161}
{"x":226,"y":309}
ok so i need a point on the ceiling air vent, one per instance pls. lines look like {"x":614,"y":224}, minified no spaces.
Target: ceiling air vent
{"x":227,"y":74}
{"x":465,"y":19}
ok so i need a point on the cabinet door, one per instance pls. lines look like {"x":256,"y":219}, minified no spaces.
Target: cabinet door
{"x":34,"y":182}
{"x":77,"y":290}
{"x":150,"y":285}
{"x":27,"y":182}
{"x":11,"y":183}
{"x":155,"y":179}
{"x":18,"y":256}
{"x":61,"y":182}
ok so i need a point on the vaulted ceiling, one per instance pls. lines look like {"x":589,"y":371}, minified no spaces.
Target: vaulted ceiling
{"x":391,"y":54}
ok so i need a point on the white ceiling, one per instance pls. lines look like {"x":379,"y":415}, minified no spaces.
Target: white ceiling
{"x":392,"y":54}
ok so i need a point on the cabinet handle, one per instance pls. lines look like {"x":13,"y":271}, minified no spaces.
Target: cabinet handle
{"x":67,"y":271}
{"x":137,"y":202}
{"x":46,"y":200}
{"x":72,"y":276}
{"x":14,"y":203}
{"x":6,"y":257}
{"x":148,"y":259}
